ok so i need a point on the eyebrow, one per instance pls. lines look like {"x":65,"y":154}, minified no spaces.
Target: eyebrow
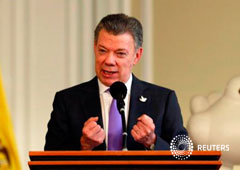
{"x":120,"y":49}
{"x":102,"y":46}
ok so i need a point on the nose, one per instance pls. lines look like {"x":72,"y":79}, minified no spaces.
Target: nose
{"x":110,"y":59}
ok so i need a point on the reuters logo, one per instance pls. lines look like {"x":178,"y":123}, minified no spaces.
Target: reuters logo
{"x":181,"y":147}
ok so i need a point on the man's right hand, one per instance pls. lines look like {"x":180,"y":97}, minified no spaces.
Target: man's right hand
{"x":92,"y":134}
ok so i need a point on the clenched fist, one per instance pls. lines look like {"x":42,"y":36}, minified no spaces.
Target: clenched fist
{"x":143,"y":131}
{"x":92,"y":134}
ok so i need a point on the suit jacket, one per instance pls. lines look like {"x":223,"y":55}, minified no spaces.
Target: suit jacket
{"x":73,"y":106}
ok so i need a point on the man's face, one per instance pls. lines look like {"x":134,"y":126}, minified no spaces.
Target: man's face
{"x":115,"y":56}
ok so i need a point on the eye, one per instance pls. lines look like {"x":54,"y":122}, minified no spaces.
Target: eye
{"x":239,"y":91}
{"x":121,"y":54}
{"x":102,"y":51}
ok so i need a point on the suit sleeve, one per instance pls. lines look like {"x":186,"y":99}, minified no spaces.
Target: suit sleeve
{"x":172,"y":124}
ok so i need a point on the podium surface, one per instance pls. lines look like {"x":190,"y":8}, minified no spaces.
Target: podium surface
{"x":121,"y":160}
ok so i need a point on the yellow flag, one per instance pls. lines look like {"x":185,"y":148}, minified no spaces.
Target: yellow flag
{"x":8,"y":151}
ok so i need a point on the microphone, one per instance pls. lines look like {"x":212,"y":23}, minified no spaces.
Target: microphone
{"x":118,"y":91}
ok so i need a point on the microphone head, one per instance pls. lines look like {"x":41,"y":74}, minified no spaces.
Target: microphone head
{"x":118,"y":90}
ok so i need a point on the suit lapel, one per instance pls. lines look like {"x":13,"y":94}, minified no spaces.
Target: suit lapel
{"x":137,"y":108}
{"x":93,"y":105}
{"x":92,"y":101}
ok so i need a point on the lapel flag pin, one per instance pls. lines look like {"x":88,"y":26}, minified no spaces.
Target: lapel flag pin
{"x":143,"y":99}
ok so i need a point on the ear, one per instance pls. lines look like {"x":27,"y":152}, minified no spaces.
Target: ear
{"x":138,"y":55}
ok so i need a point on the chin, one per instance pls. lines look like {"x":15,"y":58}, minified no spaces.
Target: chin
{"x":108,"y":82}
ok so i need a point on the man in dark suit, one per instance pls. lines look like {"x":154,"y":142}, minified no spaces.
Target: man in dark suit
{"x":80,"y":119}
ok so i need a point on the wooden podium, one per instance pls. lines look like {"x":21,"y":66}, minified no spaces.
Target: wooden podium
{"x":134,"y":160}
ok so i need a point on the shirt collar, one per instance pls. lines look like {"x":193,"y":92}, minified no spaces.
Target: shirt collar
{"x":103,"y":88}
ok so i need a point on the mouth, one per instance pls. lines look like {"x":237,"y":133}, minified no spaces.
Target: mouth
{"x":108,"y":73}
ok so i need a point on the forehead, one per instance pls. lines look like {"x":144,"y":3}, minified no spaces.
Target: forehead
{"x":109,"y":39}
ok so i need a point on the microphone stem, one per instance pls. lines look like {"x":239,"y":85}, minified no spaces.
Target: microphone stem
{"x":124,"y":130}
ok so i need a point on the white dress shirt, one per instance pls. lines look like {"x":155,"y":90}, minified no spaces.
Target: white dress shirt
{"x":106,"y":101}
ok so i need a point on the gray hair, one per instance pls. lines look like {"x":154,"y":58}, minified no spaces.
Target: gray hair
{"x":119,"y":24}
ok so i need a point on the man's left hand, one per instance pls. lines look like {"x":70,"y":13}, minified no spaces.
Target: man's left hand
{"x":143,"y":131}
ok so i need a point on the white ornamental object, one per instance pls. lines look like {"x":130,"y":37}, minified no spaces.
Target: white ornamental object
{"x":215,"y":123}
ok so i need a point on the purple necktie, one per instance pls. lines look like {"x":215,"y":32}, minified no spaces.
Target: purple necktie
{"x":115,"y":129}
